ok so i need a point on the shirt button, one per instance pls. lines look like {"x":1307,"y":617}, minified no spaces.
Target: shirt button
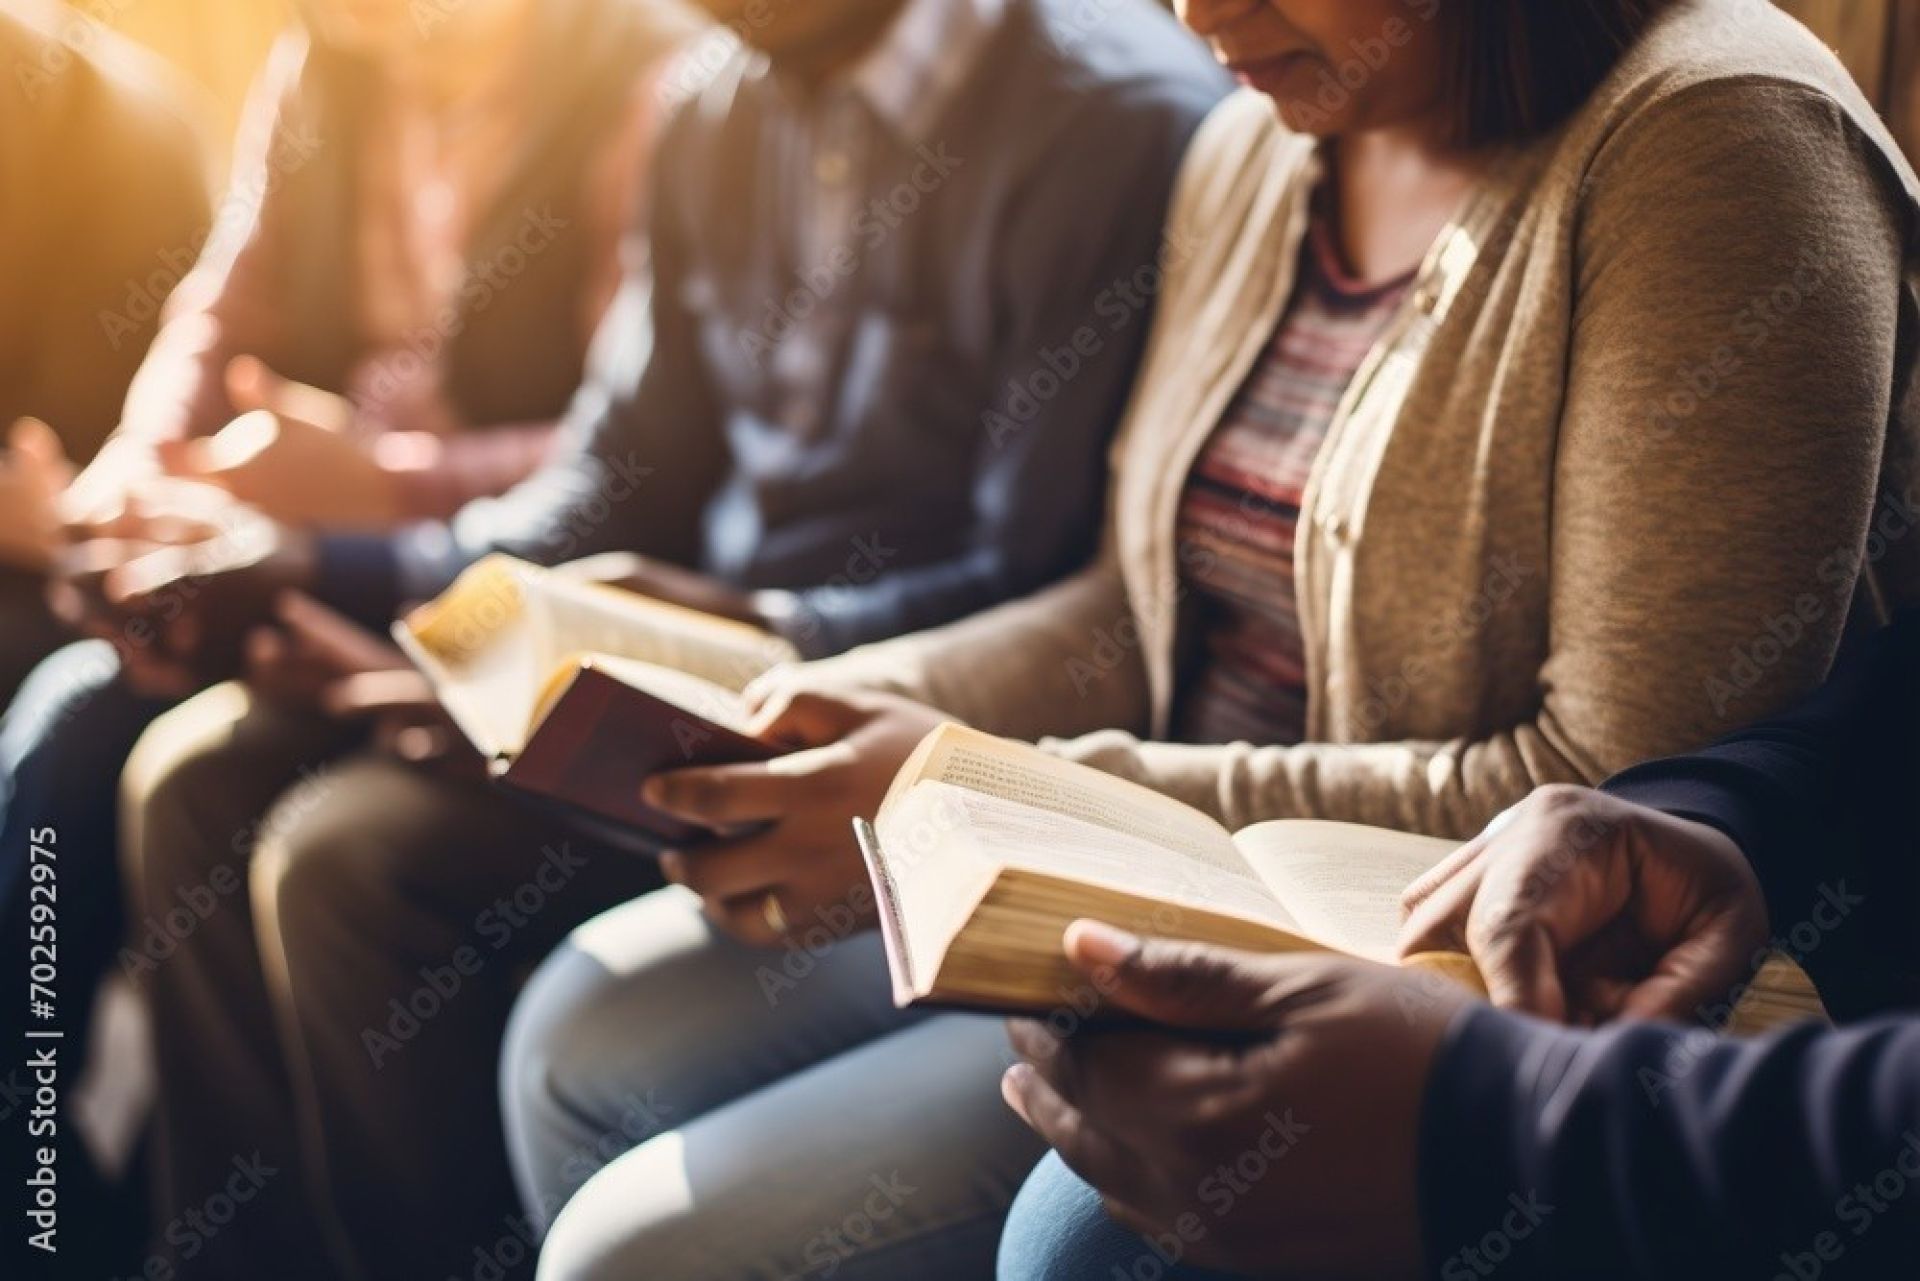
{"x":1427,"y":299}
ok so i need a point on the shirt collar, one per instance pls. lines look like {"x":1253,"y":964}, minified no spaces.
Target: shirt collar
{"x":926,"y":55}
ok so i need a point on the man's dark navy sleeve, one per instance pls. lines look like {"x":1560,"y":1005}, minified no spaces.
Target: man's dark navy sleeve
{"x":1656,"y":1151}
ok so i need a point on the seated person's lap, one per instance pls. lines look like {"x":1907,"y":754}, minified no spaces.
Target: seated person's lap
{"x":780,"y":1112}
{"x":367,"y":878}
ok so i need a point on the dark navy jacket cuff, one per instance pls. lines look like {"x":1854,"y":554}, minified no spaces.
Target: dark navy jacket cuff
{"x":1480,"y":1195}
{"x":359,"y":575}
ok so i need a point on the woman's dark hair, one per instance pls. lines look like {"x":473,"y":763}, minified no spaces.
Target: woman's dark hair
{"x":1523,"y":66}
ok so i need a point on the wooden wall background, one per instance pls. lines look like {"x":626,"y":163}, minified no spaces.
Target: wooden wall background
{"x":219,"y":44}
{"x":1879,"y":40}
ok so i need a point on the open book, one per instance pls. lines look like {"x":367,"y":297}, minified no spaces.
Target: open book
{"x":985,"y":850}
{"x":576,"y":692}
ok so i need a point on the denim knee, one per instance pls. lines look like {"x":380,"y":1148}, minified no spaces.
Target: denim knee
{"x":1057,"y":1230}
{"x":63,"y":739}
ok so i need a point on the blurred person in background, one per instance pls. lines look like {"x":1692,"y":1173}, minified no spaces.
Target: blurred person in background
{"x":105,"y":180}
{"x":422,"y":236}
{"x":861,"y":390}
{"x":388,"y":316}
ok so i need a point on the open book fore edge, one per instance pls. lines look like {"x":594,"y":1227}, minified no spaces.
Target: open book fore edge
{"x":911,"y":987}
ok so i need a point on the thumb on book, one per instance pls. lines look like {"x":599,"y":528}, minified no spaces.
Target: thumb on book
{"x":1179,"y":984}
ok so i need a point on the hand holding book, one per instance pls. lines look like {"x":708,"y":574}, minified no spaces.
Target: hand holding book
{"x":1266,"y":1123}
{"x":985,"y":849}
{"x":634,"y":712}
{"x":576,"y":692}
{"x":801,"y":871}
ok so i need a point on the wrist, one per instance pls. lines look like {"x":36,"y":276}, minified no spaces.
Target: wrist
{"x":297,"y":559}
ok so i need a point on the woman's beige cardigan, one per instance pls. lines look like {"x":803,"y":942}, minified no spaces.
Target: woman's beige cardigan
{"x":1603,"y":491}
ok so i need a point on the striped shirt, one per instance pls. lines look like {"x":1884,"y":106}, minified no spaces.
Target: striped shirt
{"x":1247,"y":679}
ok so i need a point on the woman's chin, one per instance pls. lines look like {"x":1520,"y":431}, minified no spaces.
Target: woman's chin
{"x":1300,"y":92}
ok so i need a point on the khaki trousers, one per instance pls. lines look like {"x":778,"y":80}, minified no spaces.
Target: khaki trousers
{"x":340,"y":936}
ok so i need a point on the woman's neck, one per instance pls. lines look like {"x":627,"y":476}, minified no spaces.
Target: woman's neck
{"x":1391,"y":192}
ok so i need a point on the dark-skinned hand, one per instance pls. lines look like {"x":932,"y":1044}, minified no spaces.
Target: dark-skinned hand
{"x":180,"y":609}
{"x":803,"y":851}
{"x":1268,"y":1122}
{"x":1581,"y":907}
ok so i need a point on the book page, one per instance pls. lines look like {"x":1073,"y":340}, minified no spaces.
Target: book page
{"x":581,"y":617}
{"x":1341,"y":881}
{"x":1013,"y":771}
{"x":477,"y":645}
{"x":505,"y":639}
{"x":936,"y":817}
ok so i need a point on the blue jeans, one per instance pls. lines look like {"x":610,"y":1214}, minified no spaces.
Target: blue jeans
{"x":693,"y":1108}
{"x":63,"y":741}
{"x":1057,"y":1231}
